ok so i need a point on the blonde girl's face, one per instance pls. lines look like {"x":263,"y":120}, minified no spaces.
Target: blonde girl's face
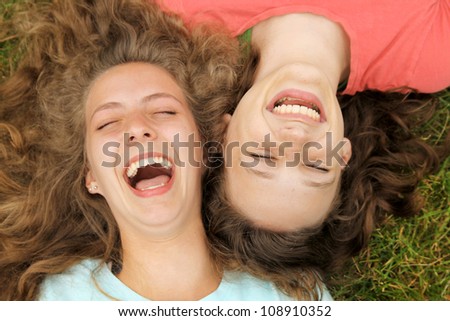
{"x":144,"y":150}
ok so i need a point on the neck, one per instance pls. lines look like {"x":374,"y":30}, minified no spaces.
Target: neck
{"x":302,"y":38}
{"x":178,"y":267}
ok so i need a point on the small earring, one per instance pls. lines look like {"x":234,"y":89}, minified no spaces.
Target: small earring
{"x":92,"y":187}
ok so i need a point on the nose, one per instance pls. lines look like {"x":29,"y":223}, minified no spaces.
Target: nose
{"x":133,"y":138}
{"x":296,"y":143}
{"x":140,"y":129}
{"x":297,"y":135}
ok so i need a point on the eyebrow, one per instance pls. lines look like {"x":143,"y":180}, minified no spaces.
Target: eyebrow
{"x":108,"y":105}
{"x":144,"y":100}
{"x":268,"y":175}
{"x":151,"y":97}
{"x":321,"y":184}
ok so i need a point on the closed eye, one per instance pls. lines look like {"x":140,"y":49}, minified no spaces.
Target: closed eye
{"x":106,"y":124}
{"x":267,"y":156}
{"x":168,"y":112}
{"x":164,"y":113}
{"x":322,"y":169}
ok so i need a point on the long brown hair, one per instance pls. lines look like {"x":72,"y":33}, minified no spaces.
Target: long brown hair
{"x":48,"y":221}
{"x":388,"y":162}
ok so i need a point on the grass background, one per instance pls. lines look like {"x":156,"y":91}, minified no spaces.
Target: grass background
{"x":407,"y":259}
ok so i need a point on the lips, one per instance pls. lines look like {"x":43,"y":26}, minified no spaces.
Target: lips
{"x":297,"y":104}
{"x":149,"y":174}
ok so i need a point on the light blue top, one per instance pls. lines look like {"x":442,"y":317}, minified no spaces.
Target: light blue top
{"x":91,"y":280}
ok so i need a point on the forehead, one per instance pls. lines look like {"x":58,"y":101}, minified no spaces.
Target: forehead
{"x":279,"y":202}
{"x":128,"y":76}
{"x":130,"y":83}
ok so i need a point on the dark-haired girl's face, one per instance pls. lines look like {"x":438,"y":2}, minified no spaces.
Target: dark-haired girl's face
{"x":285,"y":149}
{"x":144,"y":150}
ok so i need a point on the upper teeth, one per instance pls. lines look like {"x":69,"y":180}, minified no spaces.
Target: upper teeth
{"x":133,"y":168}
{"x":297,"y":109}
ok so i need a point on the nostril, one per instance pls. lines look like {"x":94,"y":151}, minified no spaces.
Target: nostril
{"x":132,"y":138}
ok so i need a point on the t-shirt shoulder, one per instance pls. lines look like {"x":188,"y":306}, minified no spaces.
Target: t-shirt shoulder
{"x":74,"y":284}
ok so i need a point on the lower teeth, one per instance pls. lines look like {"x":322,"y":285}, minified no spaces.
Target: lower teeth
{"x":152,"y":187}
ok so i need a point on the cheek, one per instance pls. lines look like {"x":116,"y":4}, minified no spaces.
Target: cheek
{"x":91,"y":150}
{"x":243,"y":130}
{"x":184,"y":140}
{"x":185,"y":133}
{"x":103,"y":153}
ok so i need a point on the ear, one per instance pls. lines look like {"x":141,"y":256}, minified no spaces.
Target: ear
{"x":91,"y":183}
{"x":346,"y":152}
{"x":226,"y":119}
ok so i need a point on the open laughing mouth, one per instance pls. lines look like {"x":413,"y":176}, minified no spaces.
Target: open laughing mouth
{"x":297,"y":104}
{"x":149,"y":174}
{"x":289,"y":105}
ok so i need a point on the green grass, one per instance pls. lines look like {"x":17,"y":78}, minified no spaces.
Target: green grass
{"x":8,"y":41}
{"x":407,"y":259}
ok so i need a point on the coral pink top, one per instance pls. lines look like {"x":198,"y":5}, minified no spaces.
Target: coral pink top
{"x":394,"y":43}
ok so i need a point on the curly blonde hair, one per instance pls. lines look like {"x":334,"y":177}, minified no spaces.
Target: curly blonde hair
{"x":48,"y":221}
